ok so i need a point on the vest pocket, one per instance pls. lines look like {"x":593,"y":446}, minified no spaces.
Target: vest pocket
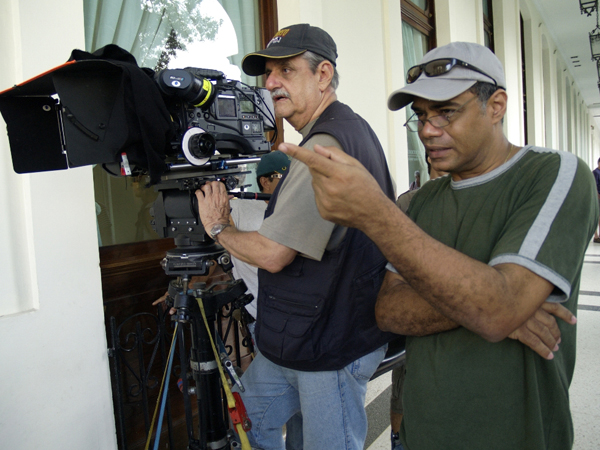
{"x":286,"y":318}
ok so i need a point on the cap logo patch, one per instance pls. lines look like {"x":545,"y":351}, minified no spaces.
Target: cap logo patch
{"x":277,"y":38}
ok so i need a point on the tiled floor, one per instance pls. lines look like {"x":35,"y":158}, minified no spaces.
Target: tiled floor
{"x":585,"y":388}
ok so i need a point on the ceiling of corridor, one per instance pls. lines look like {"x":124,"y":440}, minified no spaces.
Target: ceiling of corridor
{"x":570,"y":31}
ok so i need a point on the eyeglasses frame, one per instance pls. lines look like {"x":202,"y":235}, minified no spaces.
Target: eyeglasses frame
{"x":446,"y":116}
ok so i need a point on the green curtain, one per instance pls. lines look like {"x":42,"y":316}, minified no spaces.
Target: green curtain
{"x":246,"y":23}
{"x":128,"y":24}
{"x":414,"y":48}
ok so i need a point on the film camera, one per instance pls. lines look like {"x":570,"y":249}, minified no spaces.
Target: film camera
{"x":183,"y":127}
{"x":226,"y":115}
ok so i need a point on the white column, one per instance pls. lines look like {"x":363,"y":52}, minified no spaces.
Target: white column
{"x":458,"y":20}
{"x":55,"y":387}
{"x":508,"y":49}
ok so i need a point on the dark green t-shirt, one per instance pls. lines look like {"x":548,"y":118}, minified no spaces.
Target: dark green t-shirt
{"x":462,"y":392}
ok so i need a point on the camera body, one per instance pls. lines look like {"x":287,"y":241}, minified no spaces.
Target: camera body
{"x":212,"y":114}
{"x":131,"y":120}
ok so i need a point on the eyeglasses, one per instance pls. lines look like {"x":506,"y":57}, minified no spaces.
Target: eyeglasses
{"x":439,"y":121}
{"x":276,"y":175}
{"x":439,"y":67}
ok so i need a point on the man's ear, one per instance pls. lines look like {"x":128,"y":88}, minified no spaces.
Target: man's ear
{"x":497,"y":103}
{"x":263,"y":181}
{"x":325,"y":71}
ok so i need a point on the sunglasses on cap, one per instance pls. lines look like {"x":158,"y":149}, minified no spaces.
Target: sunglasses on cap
{"x":439,"y":67}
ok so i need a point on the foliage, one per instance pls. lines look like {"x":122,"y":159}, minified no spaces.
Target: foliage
{"x":187,"y":25}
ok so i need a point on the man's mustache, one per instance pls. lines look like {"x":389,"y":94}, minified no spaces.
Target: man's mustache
{"x":278,"y":93}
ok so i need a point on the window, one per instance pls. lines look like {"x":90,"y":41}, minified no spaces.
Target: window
{"x":418,"y":37}
{"x":488,"y":24}
{"x":524,"y":80}
{"x":210,"y":34}
{"x":419,"y":15}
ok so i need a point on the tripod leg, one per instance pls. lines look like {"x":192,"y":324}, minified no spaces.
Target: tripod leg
{"x":208,"y":388}
{"x":189,"y":420}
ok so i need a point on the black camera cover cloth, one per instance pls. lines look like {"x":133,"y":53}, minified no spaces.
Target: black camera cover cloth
{"x":108,"y":106}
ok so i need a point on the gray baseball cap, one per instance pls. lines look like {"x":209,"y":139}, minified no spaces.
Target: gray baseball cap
{"x":467,"y":64}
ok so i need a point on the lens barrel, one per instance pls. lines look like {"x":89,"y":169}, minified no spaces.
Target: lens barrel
{"x":183,"y":84}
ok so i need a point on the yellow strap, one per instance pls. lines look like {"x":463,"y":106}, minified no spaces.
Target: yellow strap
{"x":230,"y":399}
{"x":162,"y":385}
{"x":243,"y":437}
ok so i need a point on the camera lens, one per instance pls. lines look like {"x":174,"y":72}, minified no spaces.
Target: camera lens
{"x":202,"y":145}
{"x":186,"y":85}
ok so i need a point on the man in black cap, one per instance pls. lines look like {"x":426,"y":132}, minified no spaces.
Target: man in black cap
{"x":316,"y":331}
{"x":492,"y":246}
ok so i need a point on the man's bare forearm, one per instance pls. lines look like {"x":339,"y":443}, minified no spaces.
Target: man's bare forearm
{"x":255,"y":249}
{"x":250,"y":247}
{"x":401,"y":310}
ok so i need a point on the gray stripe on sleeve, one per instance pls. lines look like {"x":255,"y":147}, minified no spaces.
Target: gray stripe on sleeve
{"x":540,"y":228}
{"x":562,"y":289}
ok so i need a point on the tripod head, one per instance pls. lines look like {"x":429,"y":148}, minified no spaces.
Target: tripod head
{"x":195,"y":257}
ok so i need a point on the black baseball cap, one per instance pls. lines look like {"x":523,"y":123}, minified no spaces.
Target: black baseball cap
{"x":291,"y":41}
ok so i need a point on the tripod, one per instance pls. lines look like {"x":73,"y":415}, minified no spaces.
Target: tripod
{"x":195,"y":258}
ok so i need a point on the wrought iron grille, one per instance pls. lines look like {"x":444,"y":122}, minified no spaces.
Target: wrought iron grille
{"x":138,"y":352}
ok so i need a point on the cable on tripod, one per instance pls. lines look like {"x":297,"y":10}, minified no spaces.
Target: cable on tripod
{"x":242,"y":424}
{"x":164,"y":399}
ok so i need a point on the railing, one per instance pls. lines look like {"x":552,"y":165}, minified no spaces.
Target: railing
{"x":138,"y":349}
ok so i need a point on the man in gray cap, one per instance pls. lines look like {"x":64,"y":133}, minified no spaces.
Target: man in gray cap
{"x":316,"y":330}
{"x":497,"y":244}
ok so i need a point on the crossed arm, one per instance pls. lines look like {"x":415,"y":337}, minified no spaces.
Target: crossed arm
{"x":495,"y":302}
{"x":401,"y":310}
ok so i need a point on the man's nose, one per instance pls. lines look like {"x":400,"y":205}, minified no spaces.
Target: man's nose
{"x":429,"y":130}
{"x":272,"y":82}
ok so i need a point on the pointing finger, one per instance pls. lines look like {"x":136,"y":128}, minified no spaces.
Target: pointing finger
{"x":316,"y":163}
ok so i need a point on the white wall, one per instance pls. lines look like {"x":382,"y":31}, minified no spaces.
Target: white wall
{"x":570,"y":119}
{"x":507,"y":44}
{"x":55,"y":385}
{"x":532,"y":24}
